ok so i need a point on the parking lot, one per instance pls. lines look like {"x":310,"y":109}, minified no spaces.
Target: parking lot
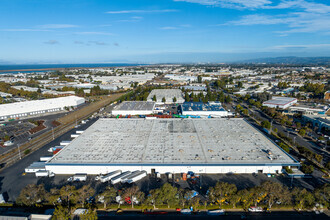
{"x":19,"y":130}
{"x":12,"y":180}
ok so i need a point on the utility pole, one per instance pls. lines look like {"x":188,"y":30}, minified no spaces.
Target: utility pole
{"x":19,"y":151}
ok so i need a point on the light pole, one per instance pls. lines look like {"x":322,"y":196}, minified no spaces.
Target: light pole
{"x":271,"y":126}
{"x":19,"y":151}
{"x":294,"y":140}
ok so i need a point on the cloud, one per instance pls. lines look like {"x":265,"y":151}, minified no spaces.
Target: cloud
{"x":57,"y":26}
{"x":52,"y":42}
{"x":41,"y":28}
{"x":116,"y":44}
{"x":100,"y":43}
{"x":23,"y":30}
{"x":304,"y":17}
{"x":132,"y":19}
{"x":301,"y":46}
{"x":93,"y":33}
{"x":237,"y":4}
{"x":78,"y":42}
{"x":141,"y":11}
{"x":169,"y":28}
{"x":258,"y":19}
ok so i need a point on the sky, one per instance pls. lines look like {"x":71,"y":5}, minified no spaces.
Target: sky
{"x":161,"y":31}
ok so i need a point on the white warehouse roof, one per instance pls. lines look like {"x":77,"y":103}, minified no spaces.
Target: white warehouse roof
{"x":171,"y":142}
{"x":168,"y":94}
{"x":134,"y":108}
{"x":281,"y":102}
{"x":39,"y":105}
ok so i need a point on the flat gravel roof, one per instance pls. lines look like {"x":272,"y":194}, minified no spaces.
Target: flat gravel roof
{"x":171,"y":141}
{"x":135,"y":105}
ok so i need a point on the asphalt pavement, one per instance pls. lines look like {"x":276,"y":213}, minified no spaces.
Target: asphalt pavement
{"x":12,"y":180}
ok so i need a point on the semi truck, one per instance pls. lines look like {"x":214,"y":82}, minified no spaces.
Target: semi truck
{"x":79,"y":177}
{"x":46,"y":158}
{"x":74,"y":135}
{"x":65,"y":143}
{"x":43,"y":173}
{"x":118,"y":178}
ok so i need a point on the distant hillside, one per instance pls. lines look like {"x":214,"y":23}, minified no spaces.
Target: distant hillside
{"x":291,"y":60}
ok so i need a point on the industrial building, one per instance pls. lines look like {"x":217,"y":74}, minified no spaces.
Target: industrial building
{"x":170,"y":146}
{"x":213,"y":109}
{"x":38,"y":107}
{"x":134,"y":108}
{"x":168,"y":94}
{"x":280,"y":102}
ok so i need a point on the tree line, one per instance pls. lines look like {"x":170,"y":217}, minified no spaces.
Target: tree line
{"x":221,"y":195}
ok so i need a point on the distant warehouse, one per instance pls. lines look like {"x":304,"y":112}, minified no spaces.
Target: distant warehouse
{"x":166,"y":96}
{"x":280,"y":102}
{"x":213,"y":109}
{"x":134,"y":108}
{"x":37,"y":107}
{"x":170,"y":146}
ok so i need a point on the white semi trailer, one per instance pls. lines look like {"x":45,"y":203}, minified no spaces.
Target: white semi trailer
{"x":136,"y":177}
{"x":118,"y":178}
{"x":109,"y":176}
{"x":43,"y":173}
{"x":124,"y":179}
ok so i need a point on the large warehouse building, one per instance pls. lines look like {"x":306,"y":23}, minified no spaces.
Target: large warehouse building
{"x":280,"y":102}
{"x":213,"y":109}
{"x":134,"y":108}
{"x":171,"y":146}
{"x":168,"y":94}
{"x":38,"y":107}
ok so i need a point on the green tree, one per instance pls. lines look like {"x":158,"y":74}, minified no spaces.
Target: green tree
{"x":31,"y":195}
{"x":90,"y":214}
{"x":266,"y":124}
{"x":53,"y":196}
{"x":163,"y":100}
{"x":134,"y":194}
{"x":61,"y":213}
{"x":199,"y":79}
{"x":154,"y":98}
{"x":108,"y":196}
{"x":174,"y":100}
{"x":275,"y":192}
{"x":168,"y":194}
{"x":221,"y":192}
{"x":322,"y":195}
{"x":84,"y":193}
{"x":302,"y":132}
{"x":302,"y":198}
{"x":69,"y":194}
{"x":186,"y":97}
{"x":154,"y":198}
{"x":308,"y":169}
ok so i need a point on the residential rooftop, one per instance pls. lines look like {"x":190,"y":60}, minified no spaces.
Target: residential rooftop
{"x":171,"y":141}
